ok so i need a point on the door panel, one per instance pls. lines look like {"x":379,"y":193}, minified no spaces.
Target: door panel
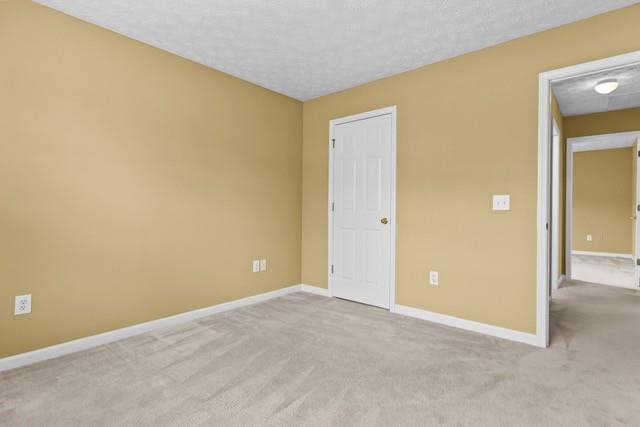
{"x":362,"y":193}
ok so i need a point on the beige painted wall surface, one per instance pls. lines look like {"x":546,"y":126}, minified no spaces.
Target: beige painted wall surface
{"x":601,"y":123}
{"x":601,"y":198}
{"x":467,"y":129}
{"x":133,"y":184}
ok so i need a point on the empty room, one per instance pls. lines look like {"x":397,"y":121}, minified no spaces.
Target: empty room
{"x":319,"y":213}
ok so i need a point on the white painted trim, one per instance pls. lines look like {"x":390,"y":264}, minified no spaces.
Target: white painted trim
{"x":85,"y":343}
{"x":542,"y":214}
{"x":544,"y":133}
{"x":470,"y":325}
{"x":636,"y":249}
{"x":392,"y":110}
{"x":604,"y":142}
{"x":555,"y":205}
{"x":314,"y":290}
{"x":604,"y":254}
{"x":92,"y":341}
{"x":568,"y":209}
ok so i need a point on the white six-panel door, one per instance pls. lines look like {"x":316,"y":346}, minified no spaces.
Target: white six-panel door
{"x":361,"y":212}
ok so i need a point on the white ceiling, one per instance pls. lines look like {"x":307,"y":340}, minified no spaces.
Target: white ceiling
{"x":577,"y":96}
{"x":309,"y":48}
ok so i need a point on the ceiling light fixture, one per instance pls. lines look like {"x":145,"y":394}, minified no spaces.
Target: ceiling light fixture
{"x":605,"y":87}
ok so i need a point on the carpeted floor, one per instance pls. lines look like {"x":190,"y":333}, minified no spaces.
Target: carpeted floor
{"x":308,"y":360}
{"x":606,"y":270}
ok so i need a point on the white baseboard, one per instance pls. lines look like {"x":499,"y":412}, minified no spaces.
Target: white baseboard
{"x":469,"y":325}
{"x":314,"y":290}
{"x":607,"y":254}
{"x":85,"y":343}
{"x":79,"y":344}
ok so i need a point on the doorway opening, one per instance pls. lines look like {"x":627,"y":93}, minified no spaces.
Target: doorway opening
{"x":602,"y":207}
{"x":591,"y":88}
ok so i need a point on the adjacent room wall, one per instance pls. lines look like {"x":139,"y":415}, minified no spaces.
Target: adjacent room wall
{"x":133,"y":184}
{"x":602,"y":123}
{"x":467,"y":129}
{"x":602,"y":195}
{"x":627,"y":120}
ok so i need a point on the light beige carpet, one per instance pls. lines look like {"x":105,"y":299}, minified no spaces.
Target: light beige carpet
{"x":308,"y":360}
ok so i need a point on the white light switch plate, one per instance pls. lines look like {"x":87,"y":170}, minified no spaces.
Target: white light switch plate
{"x":501,"y":202}
{"x":23,"y":305}
{"x":263,"y":265}
{"x":256,"y":265}
{"x":589,"y":238}
{"x":433,"y":278}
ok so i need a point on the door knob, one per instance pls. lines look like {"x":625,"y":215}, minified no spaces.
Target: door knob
{"x":384,"y":220}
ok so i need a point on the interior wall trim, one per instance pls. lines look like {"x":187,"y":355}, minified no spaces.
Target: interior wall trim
{"x":85,"y":343}
{"x":470,"y":325}
{"x":92,"y":341}
{"x":607,"y":254}
{"x":315,"y":290}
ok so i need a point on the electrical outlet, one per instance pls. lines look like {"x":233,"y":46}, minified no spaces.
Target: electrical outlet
{"x":263,"y":265}
{"x":433,"y":278}
{"x":23,"y":305}
{"x":256,"y":265}
{"x":589,"y":238}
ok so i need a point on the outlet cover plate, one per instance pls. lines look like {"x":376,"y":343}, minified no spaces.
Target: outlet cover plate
{"x":23,"y":304}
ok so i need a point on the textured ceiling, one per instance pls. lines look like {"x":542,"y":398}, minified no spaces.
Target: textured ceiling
{"x":577,"y":96}
{"x":309,"y":48}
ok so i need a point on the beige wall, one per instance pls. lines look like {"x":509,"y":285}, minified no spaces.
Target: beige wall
{"x":136,"y":185}
{"x":467,"y":129}
{"x":133,"y":184}
{"x":602,"y":195}
{"x":602,"y":123}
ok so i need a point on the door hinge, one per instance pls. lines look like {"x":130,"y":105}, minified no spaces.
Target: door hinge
{"x":333,"y":142}
{"x":638,"y":208}
{"x":637,"y":261}
{"x":638,"y":153}
{"x":331,"y":268}
{"x":547,"y":225}
{"x":333,"y":206}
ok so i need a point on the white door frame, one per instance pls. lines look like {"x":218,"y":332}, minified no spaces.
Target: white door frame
{"x":555,"y":205}
{"x":636,"y":249}
{"x":392,"y":219}
{"x":588,"y":143}
{"x":544,"y":190}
